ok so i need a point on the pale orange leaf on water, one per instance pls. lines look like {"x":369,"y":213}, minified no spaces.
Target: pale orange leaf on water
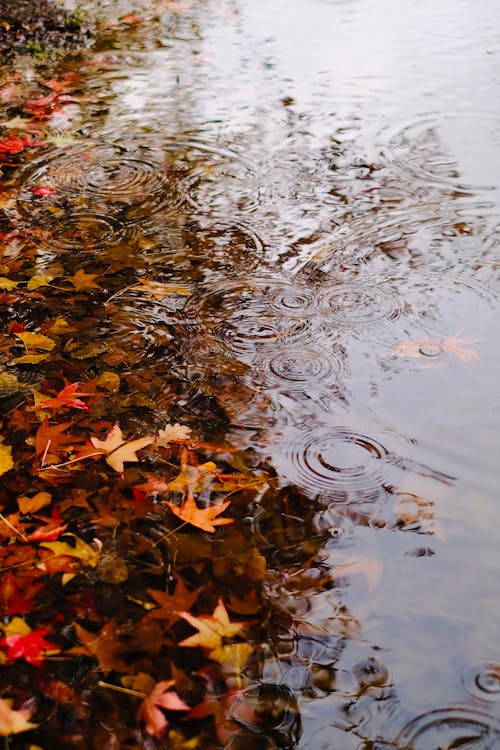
{"x":428,"y":346}
{"x":117,"y":450}
{"x":211,"y":628}
{"x":159,"y":290}
{"x":150,"y":711}
{"x":203,"y":518}
{"x":12,"y":721}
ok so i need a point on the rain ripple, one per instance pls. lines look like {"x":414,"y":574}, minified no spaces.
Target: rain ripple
{"x":483,"y":682}
{"x":449,"y":728}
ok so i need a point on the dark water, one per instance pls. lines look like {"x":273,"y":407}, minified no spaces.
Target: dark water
{"x":323,"y":177}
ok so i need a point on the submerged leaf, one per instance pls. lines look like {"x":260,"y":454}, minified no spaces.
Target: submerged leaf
{"x":14,"y":721}
{"x":150,"y":711}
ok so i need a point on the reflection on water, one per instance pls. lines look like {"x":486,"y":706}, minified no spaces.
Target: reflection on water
{"x":324,"y":178}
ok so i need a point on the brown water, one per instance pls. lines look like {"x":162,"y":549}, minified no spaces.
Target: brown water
{"x":323,"y":176}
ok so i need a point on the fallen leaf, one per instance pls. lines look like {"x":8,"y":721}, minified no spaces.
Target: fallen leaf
{"x":170,"y":604}
{"x":7,"y":284}
{"x":36,"y":341}
{"x":43,"y":190}
{"x":212,"y":628}
{"x":81,"y":550}
{"x":426,"y":346}
{"x":203,"y":518}
{"x":173,"y":433}
{"x":32,"y":504}
{"x":150,"y":711}
{"x":117,"y":450}
{"x":12,"y":721}
{"x":66,"y":398}
{"x":13,"y":600}
{"x":159,"y":290}
{"x":6,"y":462}
{"x":37,"y":281}
{"x":82,"y":280}
{"x":14,"y":144}
{"x":28,"y":646}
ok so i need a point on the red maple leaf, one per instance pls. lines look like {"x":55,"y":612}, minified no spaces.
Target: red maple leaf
{"x":27,"y":646}
{"x":14,"y":144}
{"x":44,"y":190}
{"x":66,"y":397}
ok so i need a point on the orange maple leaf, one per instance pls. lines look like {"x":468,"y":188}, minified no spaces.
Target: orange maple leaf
{"x":82,"y":280}
{"x":203,"y":518}
{"x":170,"y":604}
{"x":212,"y":628}
{"x":117,"y":450}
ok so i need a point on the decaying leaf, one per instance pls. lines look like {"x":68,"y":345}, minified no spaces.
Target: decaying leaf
{"x":150,"y":711}
{"x":170,"y":605}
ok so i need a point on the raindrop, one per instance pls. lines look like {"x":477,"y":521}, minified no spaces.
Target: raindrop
{"x":483,"y":681}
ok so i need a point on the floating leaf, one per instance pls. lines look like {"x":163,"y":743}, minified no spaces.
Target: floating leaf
{"x":37,"y":281}
{"x":150,"y":711}
{"x":36,"y":341}
{"x":66,"y":398}
{"x":203,"y":518}
{"x":212,"y":628}
{"x":82,"y":280}
{"x":12,"y":721}
{"x":28,"y":646}
{"x":117,"y":450}
{"x":173,"y":433}
{"x":160,"y":291}
{"x":7,"y":284}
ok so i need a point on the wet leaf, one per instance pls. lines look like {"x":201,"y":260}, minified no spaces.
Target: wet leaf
{"x":212,"y":628}
{"x":117,"y":450}
{"x":150,"y":711}
{"x":170,"y":605}
{"x":82,"y":280}
{"x":29,"y":646}
{"x":36,"y":341}
{"x":14,"y":144}
{"x":14,"y":721}
{"x":80,"y":550}
{"x":13,"y":600}
{"x":43,"y":190}
{"x":6,"y":462}
{"x":203,"y":518}
{"x":172,"y":433}
{"x":67,"y":397}
{"x":7,"y":284}
{"x":37,"y":281}
{"x":160,"y":291}
{"x":32,"y":504}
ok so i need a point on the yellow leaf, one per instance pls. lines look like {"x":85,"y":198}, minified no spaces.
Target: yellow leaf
{"x":59,"y":326}
{"x":30,"y":359}
{"x":14,"y":722}
{"x":80,"y":550}
{"x":7,"y":284}
{"x":110,"y":381}
{"x":212,"y":628}
{"x":32,"y":504}
{"x":6,"y":462}
{"x":234,"y":655}
{"x":17,"y":626}
{"x":36,"y":341}
{"x":38,"y":280}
